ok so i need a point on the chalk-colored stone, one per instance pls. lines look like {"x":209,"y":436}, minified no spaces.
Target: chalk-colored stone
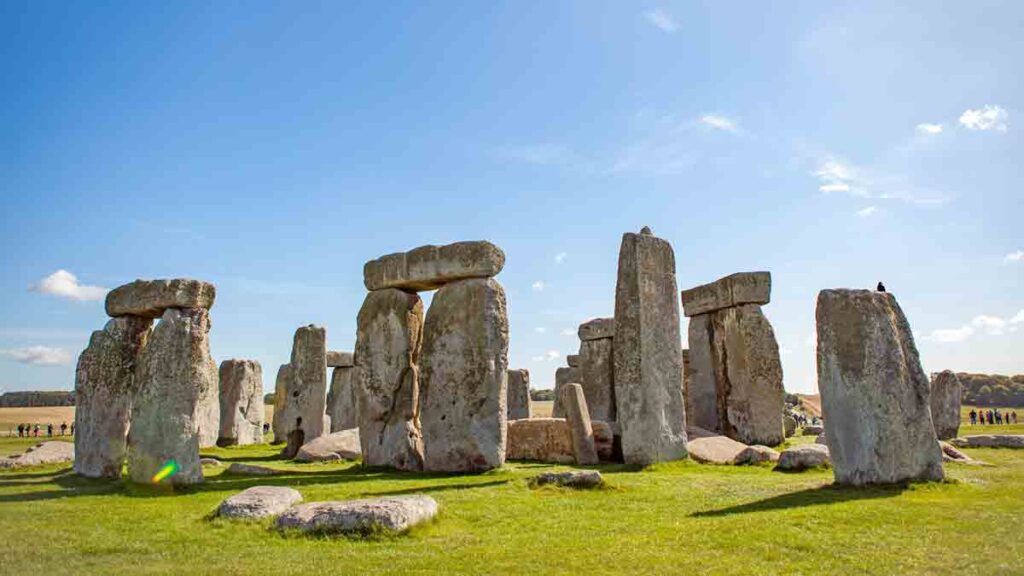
{"x":733,"y":290}
{"x":342,"y":445}
{"x":430,"y":267}
{"x":578,"y":417}
{"x":715,"y":449}
{"x":241,"y":403}
{"x":259,"y":502}
{"x":518,"y":394}
{"x":51,"y":452}
{"x":757,"y":454}
{"x":803,"y":458}
{"x":945,"y":404}
{"x":989,"y":441}
{"x":341,"y":400}
{"x":150,"y":298}
{"x":390,"y":513}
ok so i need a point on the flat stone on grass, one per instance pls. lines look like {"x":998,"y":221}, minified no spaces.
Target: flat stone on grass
{"x":803,"y":458}
{"x":361,"y":517}
{"x":252,"y":470}
{"x":990,"y":441}
{"x":259,"y":502}
{"x":571,"y":479}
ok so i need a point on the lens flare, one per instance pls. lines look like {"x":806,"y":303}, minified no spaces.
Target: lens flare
{"x":169,"y":469}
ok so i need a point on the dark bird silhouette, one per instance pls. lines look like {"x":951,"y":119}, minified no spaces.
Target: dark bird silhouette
{"x":881,"y":287}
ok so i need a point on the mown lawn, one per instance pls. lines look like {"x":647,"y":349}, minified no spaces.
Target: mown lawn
{"x":672,"y":518}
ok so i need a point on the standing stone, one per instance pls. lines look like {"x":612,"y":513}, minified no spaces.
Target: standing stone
{"x":518,"y":394}
{"x":341,"y":400}
{"x":465,"y":356}
{"x":149,"y":298}
{"x":597,"y":376}
{"x":702,"y":407}
{"x":306,"y":392}
{"x":241,"y":403}
{"x":281,"y":404}
{"x":389,"y":334}
{"x":176,"y":375}
{"x":563,"y":376}
{"x":874,"y":393}
{"x":945,"y":404}
{"x":578,"y":417}
{"x":104,"y":387}
{"x":648,"y":357}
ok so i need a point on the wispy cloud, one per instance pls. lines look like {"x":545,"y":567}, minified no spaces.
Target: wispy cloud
{"x":538,"y":286}
{"x":839,"y":176}
{"x":38,"y":355}
{"x":1017,"y":256}
{"x":560,"y":257}
{"x":547,"y":356}
{"x":540,"y":329}
{"x":64,"y":284}
{"x":719,"y":122}
{"x":864,"y":213}
{"x":982,"y":324}
{"x":661,"y":20}
{"x":986,"y":118}
{"x":929,"y":129}
{"x":568,"y":332}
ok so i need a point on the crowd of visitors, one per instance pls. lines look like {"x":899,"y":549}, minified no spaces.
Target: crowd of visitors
{"x":35,"y":430}
{"x":992,"y":417}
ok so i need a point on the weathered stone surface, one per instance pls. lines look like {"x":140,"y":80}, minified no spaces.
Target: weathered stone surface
{"x":540,"y":439}
{"x":733,"y":290}
{"x":51,"y":452}
{"x":951,"y":454}
{"x":820,"y":439}
{"x":342,"y":445}
{"x":596,"y":329}
{"x":989,"y":441}
{"x":105,"y":385}
{"x":241,"y":403}
{"x":259,"y":502}
{"x":430,"y":267}
{"x":945,"y":404}
{"x":757,"y":454}
{"x":389,"y":335}
{"x":648,"y":358}
{"x":597,"y":376}
{"x":803,"y":458}
{"x":578,"y":417}
{"x":209,"y":462}
{"x":281,"y":412}
{"x":563,"y":376}
{"x":736,"y":381}
{"x":336,"y":359}
{"x":149,"y":298}
{"x":874,"y":394}
{"x":572,"y":360}
{"x":341,"y":400}
{"x":812,"y":430}
{"x":604,"y":441}
{"x":173,"y":411}
{"x":306,"y":391}
{"x":518,"y":394}
{"x":788,"y":425}
{"x":391,"y":513}
{"x":570,"y":479}
{"x":464,"y":379}
{"x":252,"y":470}
{"x":715,"y":449}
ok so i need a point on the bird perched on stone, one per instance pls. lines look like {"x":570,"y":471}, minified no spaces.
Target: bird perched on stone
{"x":881,"y":287}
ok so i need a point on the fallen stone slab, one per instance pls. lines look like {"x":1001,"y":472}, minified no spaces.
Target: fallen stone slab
{"x":52,"y":452}
{"x":573,"y":479}
{"x":252,"y":470}
{"x":989,"y":441}
{"x":756,"y":454}
{"x":597,"y":329}
{"x":733,"y":290}
{"x":430,"y":267}
{"x":951,"y":454}
{"x":149,"y":298}
{"x":715,"y":449}
{"x":336,"y":359}
{"x":209,"y":462}
{"x":259,"y":502}
{"x":813,"y":430}
{"x":803,"y":458}
{"x":391,"y":514}
{"x":342,"y":445}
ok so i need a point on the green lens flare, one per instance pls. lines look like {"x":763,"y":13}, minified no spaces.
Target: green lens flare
{"x":169,"y":469}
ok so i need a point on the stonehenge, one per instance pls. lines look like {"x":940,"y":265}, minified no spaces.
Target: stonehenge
{"x":518,"y":394}
{"x":304,"y":405}
{"x":874,"y":394}
{"x":734,"y":374}
{"x":280,"y":401}
{"x":580,"y":430}
{"x":563,"y":375}
{"x":241,"y":403}
{"x":945,"y":404}
{"x":648,"y":359}
{"x":341,"y":398}
{"x":597,"y":367}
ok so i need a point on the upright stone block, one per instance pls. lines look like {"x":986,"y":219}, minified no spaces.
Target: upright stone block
{"x":430,"y":267}
{"x":282,"y":412}
{"x":241,"y":403}
{"x":176,"y":377}
{"x":648,"y":356}
{"x":518,"y":394}
{"x":563,"y":376}
{"x":874,"y":393}
{"x":945,"y":404}
{"x":465,"y":357}
{"x":341,"y":400}
{"x":149,"y":298}
{"x":733,"y":290}
{"x":702,"y":407}
{"x":306,"y":392}
{"x":105,"y":385}
{"x":597,"y":376}
{"x":390,"y":332}
{"x":578,"y":417}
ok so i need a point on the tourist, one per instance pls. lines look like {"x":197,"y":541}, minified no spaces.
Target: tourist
{"x":974,"y":417}
{"x":21,"y":428}
{"x":63,"y":428}
{"x":1014,"y":414}
{"x":35,"y":431}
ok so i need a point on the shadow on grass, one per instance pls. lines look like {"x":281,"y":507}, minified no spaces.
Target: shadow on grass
{"x":821,"y":496}
{"x":438,"y":488}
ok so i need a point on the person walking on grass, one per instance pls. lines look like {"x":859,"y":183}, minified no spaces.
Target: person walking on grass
{"x":49,"y":430}
{"x":35,"y":431}
{"x":63,"y":428}
{"x":974,"y":418}
{"x":21,"y":428}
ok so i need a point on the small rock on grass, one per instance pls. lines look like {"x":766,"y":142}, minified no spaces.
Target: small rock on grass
{"x":209,"y":462}
{"x":572,"y":479}
{"x":803,"y":458}
{"x":252,"y":469}
{"x":259,"y":502}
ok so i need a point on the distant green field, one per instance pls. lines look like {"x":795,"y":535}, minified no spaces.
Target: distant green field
{"x":673,"y":518}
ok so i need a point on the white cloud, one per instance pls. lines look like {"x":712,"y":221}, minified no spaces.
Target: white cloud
{"x":540,"y":329}
{"x":560,"y":257}
{"x":538,"y":285}
{"x":719,"y":122}
{"x":661,"y":20}
{"x":986,"y":118}
{"x":991,"y":325}
{"x":568,"y":332}
{"x":547,"y":356}
{"x":834,"y":187}
{"x":929,"y":129}
{"x":951,"y":334}
{"x":552,"y":354}
{"x":65,"y":285}
{"x":38,"y":355}
{"x":836,"y":175}
{"x":1018,"y":319}
{"x":863,"y":213}
{"x":1014,"y":256}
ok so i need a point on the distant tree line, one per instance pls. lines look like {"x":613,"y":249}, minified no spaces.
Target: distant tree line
{"x":992,"y":389}
{"x":36,"y":399}
{"x":268,"y":399}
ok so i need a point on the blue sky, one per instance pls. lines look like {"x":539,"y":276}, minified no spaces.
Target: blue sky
{"x":274,"y":148}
